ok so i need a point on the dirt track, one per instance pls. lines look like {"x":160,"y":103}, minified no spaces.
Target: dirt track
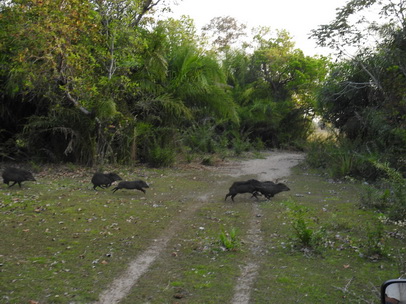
{"x":275,"y":166}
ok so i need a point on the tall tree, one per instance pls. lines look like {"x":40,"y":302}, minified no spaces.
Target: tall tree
{"x":224,"y":32}
{"x":358,"y":23}
{"x":364,"y":96}
{"x":47,"y":59}
{"x":55,"y":53}
{"x":276,"y":87}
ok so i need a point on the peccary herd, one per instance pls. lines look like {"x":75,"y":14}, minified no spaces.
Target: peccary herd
{"x":104,"y":180}
{"x":101,"y":180}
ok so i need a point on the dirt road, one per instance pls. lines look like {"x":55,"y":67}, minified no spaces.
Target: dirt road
{"x":275,"y":165}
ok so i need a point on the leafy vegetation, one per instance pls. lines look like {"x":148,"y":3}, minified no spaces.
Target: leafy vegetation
{"x":306,"y":236}
{"x":97,"y":82}
{"x":363,"y":103}
{"x":363,"y":98}
{"x":229,"y":240}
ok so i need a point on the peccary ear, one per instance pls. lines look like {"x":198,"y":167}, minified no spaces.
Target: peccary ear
{"x":276,"y":181}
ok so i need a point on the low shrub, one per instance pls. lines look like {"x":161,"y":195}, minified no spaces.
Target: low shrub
{"x":161,"y":157}
{"x":388,"y":195}
{"x":374,"y":246}
{"x":229,"y":240}
{"x":306,"y":235}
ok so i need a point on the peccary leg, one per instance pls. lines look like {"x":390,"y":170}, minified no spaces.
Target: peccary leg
{"x":255,"y":194}
{"x":232,"y":196}
{"x":14,"y":184}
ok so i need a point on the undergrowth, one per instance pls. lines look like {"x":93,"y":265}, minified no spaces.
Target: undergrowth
{"x":229,"y":240}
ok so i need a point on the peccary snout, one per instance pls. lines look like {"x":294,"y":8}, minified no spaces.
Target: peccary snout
{"x":269,"y":189}
{"x":138,"y":185}
{"x":16,"y":175}
{"x":104,"y":180}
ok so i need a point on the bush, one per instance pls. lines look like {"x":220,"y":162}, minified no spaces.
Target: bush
{"x":200,"y":138}
{"x":317,"y":152}
{"x":374,"y":246}
{"x":229,"y":241}
{"x":341,"y":157}
{"x":388,"y":195}
{"x":240,"y":145}
{"x":161,"y":157}
{"x":306,"y":236}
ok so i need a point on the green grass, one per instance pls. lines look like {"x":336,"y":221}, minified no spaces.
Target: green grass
{"x":64,"y":242}
{"x":339,"y":271}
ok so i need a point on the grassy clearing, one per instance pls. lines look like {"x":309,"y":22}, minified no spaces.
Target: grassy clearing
{"x":63,"y":242}
{"x":343,"y":268}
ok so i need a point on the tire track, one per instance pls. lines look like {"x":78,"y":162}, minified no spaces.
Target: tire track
{"x":122,"y":285}
{"x":242,"y":291}
{"x":275,"y":166}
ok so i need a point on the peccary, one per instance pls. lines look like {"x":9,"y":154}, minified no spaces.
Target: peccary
{"x":138,"y":185}
{"x":269,"y":189}
{"x":262,"y":184}
{"x":249,"y":186}
{"x":16,"y":175}
{"x":104,"y":180}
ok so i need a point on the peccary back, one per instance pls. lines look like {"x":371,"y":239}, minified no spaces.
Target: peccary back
{"x":104,"y":180}
{"x":16,"y":175}
{"x":249,"y":186}
{"x":269,"y":189}
{"x":138,"y":185}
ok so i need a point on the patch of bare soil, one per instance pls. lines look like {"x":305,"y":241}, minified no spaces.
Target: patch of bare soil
{"x":274,"y":166}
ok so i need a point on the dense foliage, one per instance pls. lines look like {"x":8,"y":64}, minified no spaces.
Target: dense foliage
{"x":364,"y":99}
{"x":105,"y":81}
{"x":364,"y":96}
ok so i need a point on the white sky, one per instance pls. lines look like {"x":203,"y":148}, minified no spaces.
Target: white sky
{"x":298,"y":17}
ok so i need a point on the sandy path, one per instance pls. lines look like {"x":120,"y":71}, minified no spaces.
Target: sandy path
{"x":275,"y":165}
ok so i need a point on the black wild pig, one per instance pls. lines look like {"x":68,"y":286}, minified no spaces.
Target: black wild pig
{"x":249,"y":186}
{"x":16,"y":175}
{"x":138,"y":185}
{"x":104,"y":180}
{"x":269,"y":189}
{"x":262,"y":184}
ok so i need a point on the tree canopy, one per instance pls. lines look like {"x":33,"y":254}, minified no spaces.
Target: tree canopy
{"x":364,"y":96}
{"x":96,"y":81}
